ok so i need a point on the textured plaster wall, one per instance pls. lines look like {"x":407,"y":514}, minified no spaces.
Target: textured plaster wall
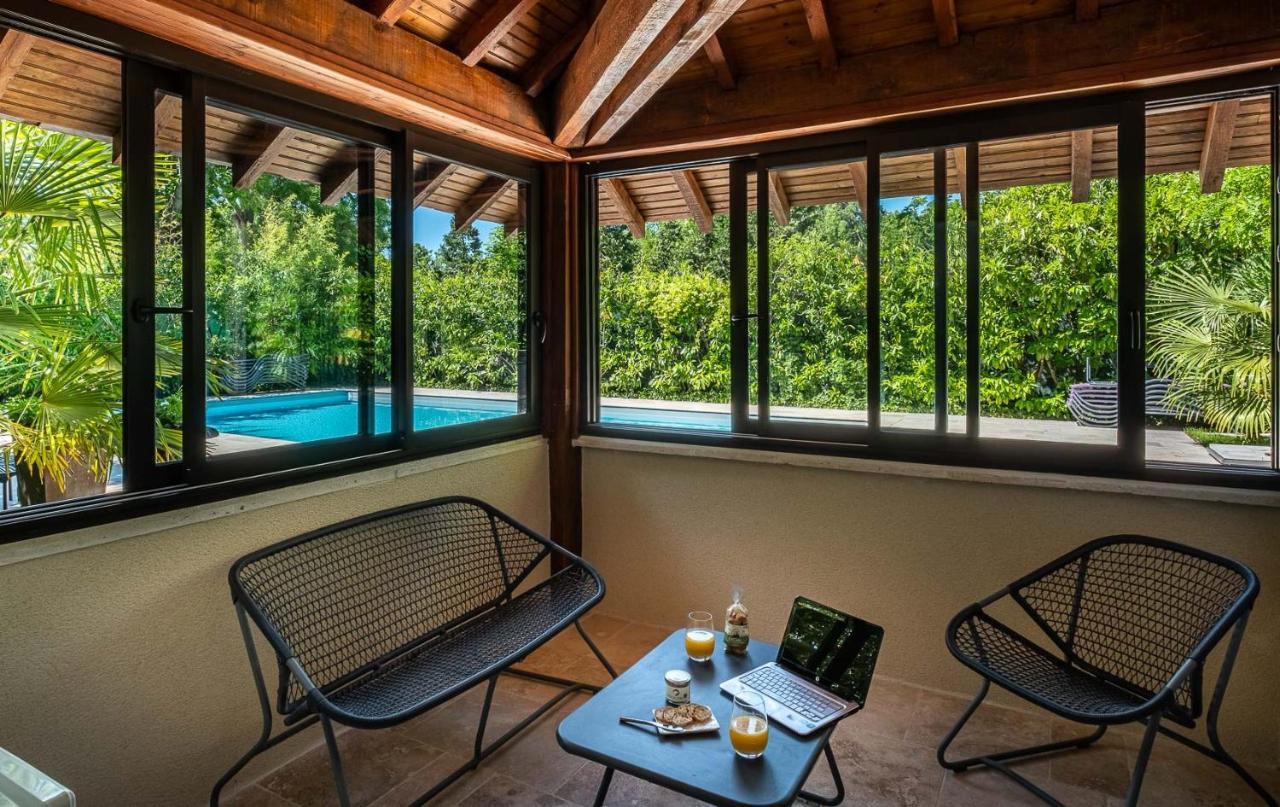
{"x":671,"y":534}
{"x":122,"y":671}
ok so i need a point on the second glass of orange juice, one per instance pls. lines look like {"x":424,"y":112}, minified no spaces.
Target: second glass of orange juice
{"x":749,"y":725}
{"x":700,"y":636}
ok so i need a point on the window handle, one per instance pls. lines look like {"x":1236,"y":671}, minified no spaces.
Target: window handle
{"x":742,"y":317}
{"x":145,"y":313}
{"x":540,"y":327}
{"x":1135,"y":328}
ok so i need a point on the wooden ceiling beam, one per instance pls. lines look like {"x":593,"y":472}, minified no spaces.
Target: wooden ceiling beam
{"x":271,"y":142}
{"x":1218,"y":131}
{"x":779,"y":201}
{"x":547,"y":63}
{"x":167,"y":107}
{"x":484,"y":34}
{"x":1086,"y":10}
{"x":14,"y":47}
{"x":618,"y":38}
{"x":815,"y":16}
{"x":389,"y":12}
{"x":338,"y":49}
{"x":858,"y":173}
{"x":430,"y":177}
{"x":678,"y":41}
{"x":944,"y":17}
{"x":338,"y":179}
{"x":1081,"y":164}
{"x":694,"y":199}
{"x":616,"y":190}
{"x":490,"y":191}
{"x":959,"y":159}
{"x":720,"y":62}
{"x":1140,"y":43}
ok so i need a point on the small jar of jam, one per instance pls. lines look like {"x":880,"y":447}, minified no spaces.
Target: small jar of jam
{"x":678,"y":687}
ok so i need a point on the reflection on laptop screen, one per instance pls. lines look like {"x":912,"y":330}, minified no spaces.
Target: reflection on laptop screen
{"x":831,"y":648}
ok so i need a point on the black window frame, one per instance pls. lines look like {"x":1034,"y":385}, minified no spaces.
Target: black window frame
{"x":1126,"y":110}
{"x":148,"y":65}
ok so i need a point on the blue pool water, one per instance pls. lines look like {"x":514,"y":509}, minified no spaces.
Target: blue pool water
{"x":664,"y":418}
{"x":306,"y":416}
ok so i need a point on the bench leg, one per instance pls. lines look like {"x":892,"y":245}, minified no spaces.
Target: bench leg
{"x":604,"y":661}
{"x":335,"y":762}
{"x":603,"y":790}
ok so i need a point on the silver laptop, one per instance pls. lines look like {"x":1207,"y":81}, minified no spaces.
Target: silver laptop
{"x":823,"y":669}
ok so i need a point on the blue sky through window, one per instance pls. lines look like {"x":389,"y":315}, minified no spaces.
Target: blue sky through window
{"x":430,"y":226}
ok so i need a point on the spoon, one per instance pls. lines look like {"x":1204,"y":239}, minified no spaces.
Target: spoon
{"x":636,"y":721}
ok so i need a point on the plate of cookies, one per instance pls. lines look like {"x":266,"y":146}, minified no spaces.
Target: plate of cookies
{"x":687,"y":718}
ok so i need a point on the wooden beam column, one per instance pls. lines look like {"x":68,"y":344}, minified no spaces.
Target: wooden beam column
{"x":561,"y":385}
{"x":167,"y":107}
{"x":484,"y":34}
{"x":694,"y":199}
{"x":1218,"y":131}
{"x":389,"y":12}
{"x":815,"y":16}
{"x":616,"y":190}
{"x":1081,"y":164}
{"x":720,"y":62}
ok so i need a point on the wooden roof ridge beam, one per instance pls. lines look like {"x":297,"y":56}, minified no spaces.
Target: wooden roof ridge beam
{"x":944,"y":16}
{"x":167,"y":107}
{"x":14,"y":47}
{"x":858,"y":173}
{"x":484,"y":34}
{"x":1081,"y":164}
{"x":1218,"y":131}
{"x":481,"y":200}
{"x":678,"y":41}
{"x":779,"y":201}
{"x":1086,"y":10}
{"x":338,"y":178}
{"x":271,"y":142}
{"x":430,"y":177}
{"x":720,"y":62}
{"x":389,"y":12}
{"x":619,"y":36}
{"x":694,"y":199}
{"x":958,"y":156}
{"x":617,"y":192}
{"x":815,"y":16}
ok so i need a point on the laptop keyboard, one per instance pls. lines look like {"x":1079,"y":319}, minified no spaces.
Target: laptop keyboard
{"x":784,"y":689}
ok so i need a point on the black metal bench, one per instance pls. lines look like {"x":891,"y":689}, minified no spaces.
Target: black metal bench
{"x":380,"y":618}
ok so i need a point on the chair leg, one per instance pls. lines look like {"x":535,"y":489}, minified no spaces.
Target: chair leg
{"x":603,"y":661}
{"x":335,"y":762}
{"x":828,"y":801}
{"x":1211,"y":726}
{"x":1144,"y":754}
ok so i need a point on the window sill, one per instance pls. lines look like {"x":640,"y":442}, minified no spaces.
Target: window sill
{"x":992,"y":476}
{"x":72,"y":540}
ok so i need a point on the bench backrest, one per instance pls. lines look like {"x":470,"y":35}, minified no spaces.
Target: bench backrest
{"x":343,"y":598}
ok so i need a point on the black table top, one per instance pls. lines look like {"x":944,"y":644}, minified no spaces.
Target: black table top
{"x":700,"y":765}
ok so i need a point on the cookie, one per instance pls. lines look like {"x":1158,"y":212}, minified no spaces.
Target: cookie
{"x":701,"y":714}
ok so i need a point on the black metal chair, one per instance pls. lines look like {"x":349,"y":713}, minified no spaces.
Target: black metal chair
{"x":380,"y":618}
{"x":1130,"y":622}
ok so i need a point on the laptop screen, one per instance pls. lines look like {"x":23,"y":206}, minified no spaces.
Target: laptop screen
{"x":831,"y":648}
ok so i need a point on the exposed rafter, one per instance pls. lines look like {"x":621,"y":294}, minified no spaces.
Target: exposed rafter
{"x":338,"y":179}
{"x":678,"y":41}
{"x":720,"y":62}
{"x":944,"y":16}
{"x":959,"y":159}
{"x":1081,"y":164}
{"x":779,"y":202}
{"x":694,"y":199}
{"x":167,"y":107}
{"x":14,"y":47}
{"x":481,"y":200}
{"x":617,"y":192}
{"x":270,"y":144}
{"x":483,"y":34}
{"x":619,"y":36}
{"x":1218,"y":131}
{"x":815,"y":16}
{"x":1086,"y":10}
{"x":858,"y":173}
{"x":431,"y":175}
{"x":515,"y":224}
{"x":548,"y":63}
{"x":389,"y":12}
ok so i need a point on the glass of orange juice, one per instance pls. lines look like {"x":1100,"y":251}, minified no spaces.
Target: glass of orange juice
{"x":700,"y":636}
{"x":749,"y":725}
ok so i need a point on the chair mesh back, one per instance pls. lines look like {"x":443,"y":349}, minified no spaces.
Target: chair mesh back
{"x":340,"y":600}
{"x":1142,"y":609}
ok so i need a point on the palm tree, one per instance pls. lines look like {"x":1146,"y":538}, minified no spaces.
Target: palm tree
{"x":1213,"y":337}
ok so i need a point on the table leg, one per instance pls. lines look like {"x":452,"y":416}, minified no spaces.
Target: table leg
{"x":604,"y":786}
{"x":833,"y":800}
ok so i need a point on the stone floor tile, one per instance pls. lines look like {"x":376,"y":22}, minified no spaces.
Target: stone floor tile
{"x":254,"y":796}
{"x":428,"y":776}
{"x":501,"y":791}
{"x":373,"y":762}
{"x":624,"y":791}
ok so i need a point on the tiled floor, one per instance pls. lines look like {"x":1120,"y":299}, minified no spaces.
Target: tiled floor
{"x":886,"y":753}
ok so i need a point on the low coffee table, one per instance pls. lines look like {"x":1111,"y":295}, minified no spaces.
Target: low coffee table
{"x":703,"y":766}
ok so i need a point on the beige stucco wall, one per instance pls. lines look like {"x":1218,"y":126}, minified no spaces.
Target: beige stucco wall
{"x":122,"y":671}
{"x":672,"y":534}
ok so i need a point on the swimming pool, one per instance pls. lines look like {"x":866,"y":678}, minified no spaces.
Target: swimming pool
{"x":300,"y":417}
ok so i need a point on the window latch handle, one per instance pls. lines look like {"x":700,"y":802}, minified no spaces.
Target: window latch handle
{"x":1135,"y":328}
{"x":540,"y":327}
{"x":145,"y":313}
{"x":742,"y":317}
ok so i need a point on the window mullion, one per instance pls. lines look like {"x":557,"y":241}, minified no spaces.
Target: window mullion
{"x":973,"y":331}
{"x":1131,"y":165}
